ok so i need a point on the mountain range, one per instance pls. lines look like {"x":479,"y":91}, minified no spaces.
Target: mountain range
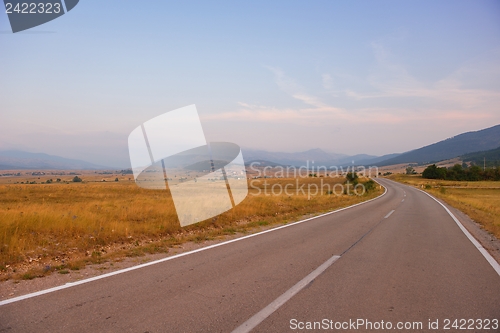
{"x":465,"y":143}
{"x":320,"y":157}
{"x":456,"y":146}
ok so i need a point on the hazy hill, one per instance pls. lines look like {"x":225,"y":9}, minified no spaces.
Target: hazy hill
{"x":263,"y":163}
{"x":348,"y":160}
{"x":375,"y":160}
{"x":469,"y":142}
{"x":14,"y":159}
{"x":9,"y":167}
{"x":300,"y":158}
{"x":206,"y":165}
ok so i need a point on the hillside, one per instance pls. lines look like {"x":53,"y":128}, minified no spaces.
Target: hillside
{"x":465,"y":143}
{"x":14,"y":159}
{"x":490,"y":157}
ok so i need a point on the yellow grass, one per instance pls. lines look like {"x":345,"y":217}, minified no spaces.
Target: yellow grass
{"x":65,"y":225}
{"x":480,"y":200}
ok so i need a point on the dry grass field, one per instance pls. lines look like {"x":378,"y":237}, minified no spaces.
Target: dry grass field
{"x":63,"y":225}
{"x":480,"y":200}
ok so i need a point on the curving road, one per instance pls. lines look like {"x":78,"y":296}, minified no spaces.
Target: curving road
{"x":400,"y":258}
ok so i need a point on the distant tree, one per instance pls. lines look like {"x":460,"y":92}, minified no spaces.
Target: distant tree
{"x":433,"y":172}
{"x":77,"y":179}
{"x":474,"y":173}
{"x":116,"y":179}
{"x":410,"y":171}
{"x":456,"y":172}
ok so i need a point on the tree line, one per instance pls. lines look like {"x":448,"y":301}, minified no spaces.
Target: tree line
{"x":461,"y":172}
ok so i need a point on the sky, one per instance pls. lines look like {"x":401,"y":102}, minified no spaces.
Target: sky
{"x":348,"y":77}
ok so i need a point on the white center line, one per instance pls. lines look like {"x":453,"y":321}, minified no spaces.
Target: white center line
{"x":260,"y":316}
{"x":389,"y":214}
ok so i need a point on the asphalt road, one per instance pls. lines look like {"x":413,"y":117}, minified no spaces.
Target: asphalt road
{"x":411,"y":265}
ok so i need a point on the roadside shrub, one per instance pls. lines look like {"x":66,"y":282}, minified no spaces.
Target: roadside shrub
{"x":352,"y":177}
{"x":369,"y":185}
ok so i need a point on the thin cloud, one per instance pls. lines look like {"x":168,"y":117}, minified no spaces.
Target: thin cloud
{"x":393,"y":90}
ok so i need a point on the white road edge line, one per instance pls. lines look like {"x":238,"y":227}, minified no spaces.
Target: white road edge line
{"x":260,"y":316}
{"x":103,"y":276}
{"x":478,"y":246}
{"x":389,"y":214}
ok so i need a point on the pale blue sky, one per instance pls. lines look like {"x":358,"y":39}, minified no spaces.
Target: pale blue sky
{"x":349,"y":77}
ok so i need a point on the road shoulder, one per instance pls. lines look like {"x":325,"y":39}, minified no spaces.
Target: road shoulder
{"x":486,"y":239}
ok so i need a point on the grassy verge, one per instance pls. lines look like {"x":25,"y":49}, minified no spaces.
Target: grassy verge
{"x":58,"y":227}
{"x":480,"y":200}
